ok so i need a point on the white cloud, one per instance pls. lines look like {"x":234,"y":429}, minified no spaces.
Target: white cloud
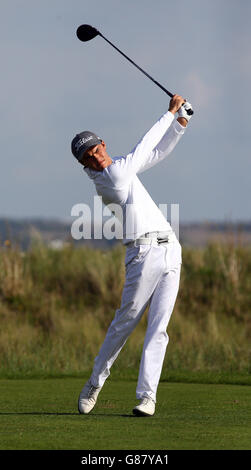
{"x":204,"y":95}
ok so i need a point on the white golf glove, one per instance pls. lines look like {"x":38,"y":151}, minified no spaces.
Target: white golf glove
{"x":186,"y":111}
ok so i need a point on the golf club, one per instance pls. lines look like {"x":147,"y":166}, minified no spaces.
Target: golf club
{"x":87,"y":32}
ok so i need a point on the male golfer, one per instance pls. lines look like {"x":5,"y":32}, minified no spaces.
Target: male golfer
{"x":153,"y":255}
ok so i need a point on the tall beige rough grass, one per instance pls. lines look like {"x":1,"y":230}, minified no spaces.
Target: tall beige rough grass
{"x":56,"y":305}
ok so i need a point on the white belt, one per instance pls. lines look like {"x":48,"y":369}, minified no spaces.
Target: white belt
{"x":154,"y":238}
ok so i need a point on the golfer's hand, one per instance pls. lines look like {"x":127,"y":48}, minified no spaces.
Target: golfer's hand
{"x":175,"y":103}
{"x":186,"y":111}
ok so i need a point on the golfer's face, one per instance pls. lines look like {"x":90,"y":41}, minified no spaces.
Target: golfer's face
{"x":96,"y":157}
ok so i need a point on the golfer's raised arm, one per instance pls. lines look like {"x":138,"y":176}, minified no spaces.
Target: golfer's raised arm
{"x":169,"y":140}
{"x":138,"y":158}
{"x":165,"y":146}
{"x":157,"y":143}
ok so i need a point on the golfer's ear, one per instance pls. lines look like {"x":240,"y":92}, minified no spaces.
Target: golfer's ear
{"x":104,"y":144}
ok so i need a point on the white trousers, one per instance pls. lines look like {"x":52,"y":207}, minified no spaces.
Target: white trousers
{"x":152,"y":278}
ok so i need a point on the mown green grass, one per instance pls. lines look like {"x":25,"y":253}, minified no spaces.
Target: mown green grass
{"x":42,"y":415}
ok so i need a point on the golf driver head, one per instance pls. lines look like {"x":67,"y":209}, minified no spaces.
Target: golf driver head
{"x":86,"y":32}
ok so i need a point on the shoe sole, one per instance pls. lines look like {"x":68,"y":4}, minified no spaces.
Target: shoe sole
{"x":140,"y":413}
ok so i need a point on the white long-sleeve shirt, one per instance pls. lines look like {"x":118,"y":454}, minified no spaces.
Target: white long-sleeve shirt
{"x":119,"y":184}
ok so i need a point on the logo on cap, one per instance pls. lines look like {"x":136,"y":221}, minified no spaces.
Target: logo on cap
{"x":82,"y":141}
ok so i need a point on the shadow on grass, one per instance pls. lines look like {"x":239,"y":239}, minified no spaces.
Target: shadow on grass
{"x":45,"y":413}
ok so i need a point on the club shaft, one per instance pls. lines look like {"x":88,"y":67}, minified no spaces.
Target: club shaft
{"x":143,"y":71}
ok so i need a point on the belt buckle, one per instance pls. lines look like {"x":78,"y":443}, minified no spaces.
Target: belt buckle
{"x":164,"y":240}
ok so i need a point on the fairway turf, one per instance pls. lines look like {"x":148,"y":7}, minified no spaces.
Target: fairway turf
{"x":42,"y":414}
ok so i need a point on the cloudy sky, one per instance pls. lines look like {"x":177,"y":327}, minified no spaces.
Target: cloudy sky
{"x":53,"y":86}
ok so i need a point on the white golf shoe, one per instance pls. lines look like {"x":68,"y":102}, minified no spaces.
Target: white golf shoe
{"x":145,"y":408}
{"x":87,"y":398}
